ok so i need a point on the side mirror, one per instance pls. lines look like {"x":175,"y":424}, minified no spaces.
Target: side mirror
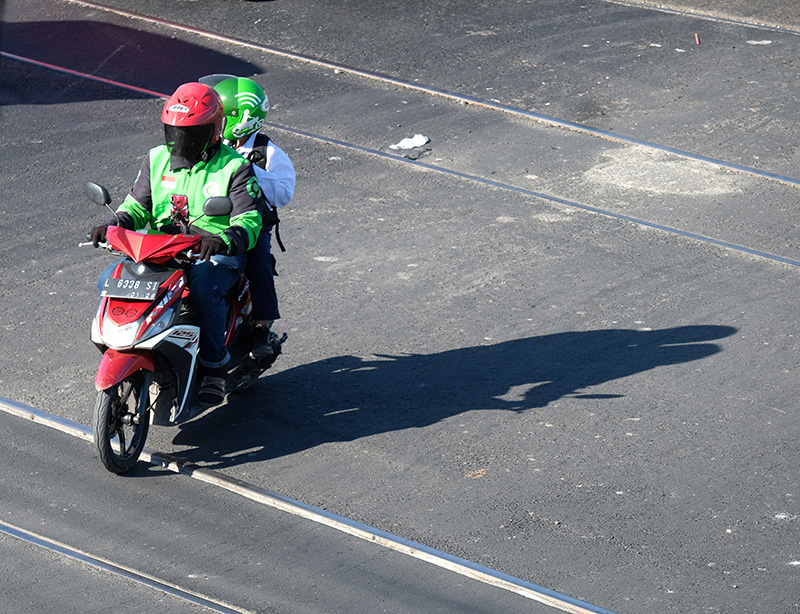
{"x":217,"y":206}
{"x":97,"y":194}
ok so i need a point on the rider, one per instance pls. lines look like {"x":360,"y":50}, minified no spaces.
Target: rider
{"x":246,"y":104}
{"x":191,"y":166}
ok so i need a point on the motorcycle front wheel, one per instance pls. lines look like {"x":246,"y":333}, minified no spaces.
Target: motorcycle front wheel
{"x":121,"y":419}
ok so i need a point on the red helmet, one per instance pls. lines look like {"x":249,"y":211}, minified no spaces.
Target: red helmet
{"x":193,"y":120}
{"x":194,"y":104}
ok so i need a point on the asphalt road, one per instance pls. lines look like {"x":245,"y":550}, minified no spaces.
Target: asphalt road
{"x":562,"y":351}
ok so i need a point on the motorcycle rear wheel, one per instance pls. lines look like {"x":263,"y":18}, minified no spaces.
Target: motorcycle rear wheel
{"x":121,"y":420}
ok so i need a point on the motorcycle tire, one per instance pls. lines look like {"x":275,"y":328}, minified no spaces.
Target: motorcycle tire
{"x":121,"y":420}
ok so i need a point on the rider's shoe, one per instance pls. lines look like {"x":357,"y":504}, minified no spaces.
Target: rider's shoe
{"x":212,"y":387}
{"x":263,"y":338}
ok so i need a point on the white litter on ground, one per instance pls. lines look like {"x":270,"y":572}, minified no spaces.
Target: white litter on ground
{"x":410,"y":142}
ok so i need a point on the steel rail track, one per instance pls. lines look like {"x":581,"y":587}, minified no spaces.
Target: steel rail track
{"x":731,"y":21}
{"x":275,"y":500}
{"x":454,"y":96}
{"x":430,"y":167}
{"x":138,"y":577}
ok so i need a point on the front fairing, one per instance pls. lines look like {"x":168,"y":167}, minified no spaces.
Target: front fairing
{"x":122,"y":323}
{"x":140,"y":319}
{"x":154,"y":247}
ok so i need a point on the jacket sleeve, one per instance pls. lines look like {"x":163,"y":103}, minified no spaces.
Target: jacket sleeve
{"x":248,"y":201}
{"x":138,"y":204}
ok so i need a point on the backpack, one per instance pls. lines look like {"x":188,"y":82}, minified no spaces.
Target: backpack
{"x":259,"y":157}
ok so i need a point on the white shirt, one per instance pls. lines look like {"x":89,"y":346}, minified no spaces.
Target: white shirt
{"x":278,"y":179}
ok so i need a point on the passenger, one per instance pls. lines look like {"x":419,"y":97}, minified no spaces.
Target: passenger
{"x":245,"y":105}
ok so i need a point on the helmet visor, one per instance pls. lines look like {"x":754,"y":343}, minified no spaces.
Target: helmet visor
{"x":188,"y":141}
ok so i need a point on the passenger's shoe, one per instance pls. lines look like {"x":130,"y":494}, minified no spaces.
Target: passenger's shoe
{"x":263,"y":338}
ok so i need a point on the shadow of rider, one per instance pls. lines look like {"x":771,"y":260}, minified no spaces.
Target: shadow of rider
{"x":347,"y":397}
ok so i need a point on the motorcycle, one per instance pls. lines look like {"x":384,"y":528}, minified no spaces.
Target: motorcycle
{"x":144,"y":327}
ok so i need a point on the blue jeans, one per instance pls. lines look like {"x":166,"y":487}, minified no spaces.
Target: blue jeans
{"x":209,"y":281}
{"x":260,"y":270}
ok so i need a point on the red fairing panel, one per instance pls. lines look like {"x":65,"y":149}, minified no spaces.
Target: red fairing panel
{"x":157,"y":248}
{"x":116,"y":366}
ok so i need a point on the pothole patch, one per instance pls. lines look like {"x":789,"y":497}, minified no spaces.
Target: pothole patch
{"x":643,"y":169}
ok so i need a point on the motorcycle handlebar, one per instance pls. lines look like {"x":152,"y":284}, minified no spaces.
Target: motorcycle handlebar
{"x":187,"y":255}
{"x":102,"y":245}
{"x":184,"y":255}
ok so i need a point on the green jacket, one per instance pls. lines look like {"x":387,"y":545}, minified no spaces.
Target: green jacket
{"x":165,"y":182}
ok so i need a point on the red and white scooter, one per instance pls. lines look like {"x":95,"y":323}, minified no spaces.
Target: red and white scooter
{"x":145,"y":330}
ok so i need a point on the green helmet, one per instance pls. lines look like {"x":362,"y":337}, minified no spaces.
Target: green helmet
{"x":244,"y":102}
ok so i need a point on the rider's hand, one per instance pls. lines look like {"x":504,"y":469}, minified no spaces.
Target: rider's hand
{"x":212,"y":245}
{"x":98,"y":234}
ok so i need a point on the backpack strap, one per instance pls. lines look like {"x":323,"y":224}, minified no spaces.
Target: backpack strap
{"x":258,"y":156}
{"x":278,"y":234}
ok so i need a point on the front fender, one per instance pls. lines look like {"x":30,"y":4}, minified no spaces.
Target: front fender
{"x":116,"y":366}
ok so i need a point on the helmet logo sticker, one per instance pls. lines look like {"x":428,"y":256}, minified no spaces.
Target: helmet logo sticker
{"x":179,"y":108}
{"x":247,"y":125}
{"x":248,"y":99}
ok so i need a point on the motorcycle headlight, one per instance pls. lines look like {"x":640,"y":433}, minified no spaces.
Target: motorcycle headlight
{"x":120,"y":337}
{"x":123,"y":337}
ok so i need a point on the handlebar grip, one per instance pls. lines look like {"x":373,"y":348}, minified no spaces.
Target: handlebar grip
{"x":101,"y":245}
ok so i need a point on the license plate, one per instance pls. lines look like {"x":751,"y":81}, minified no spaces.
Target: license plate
{"x":135,"y":289}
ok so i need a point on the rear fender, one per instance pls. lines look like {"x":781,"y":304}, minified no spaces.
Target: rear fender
{"x":116,"y":366}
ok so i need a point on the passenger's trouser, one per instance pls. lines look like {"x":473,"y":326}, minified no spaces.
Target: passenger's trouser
{"x":260,"y":270}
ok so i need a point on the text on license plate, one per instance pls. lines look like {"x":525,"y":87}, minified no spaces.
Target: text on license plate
{"x":130,"y":288}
